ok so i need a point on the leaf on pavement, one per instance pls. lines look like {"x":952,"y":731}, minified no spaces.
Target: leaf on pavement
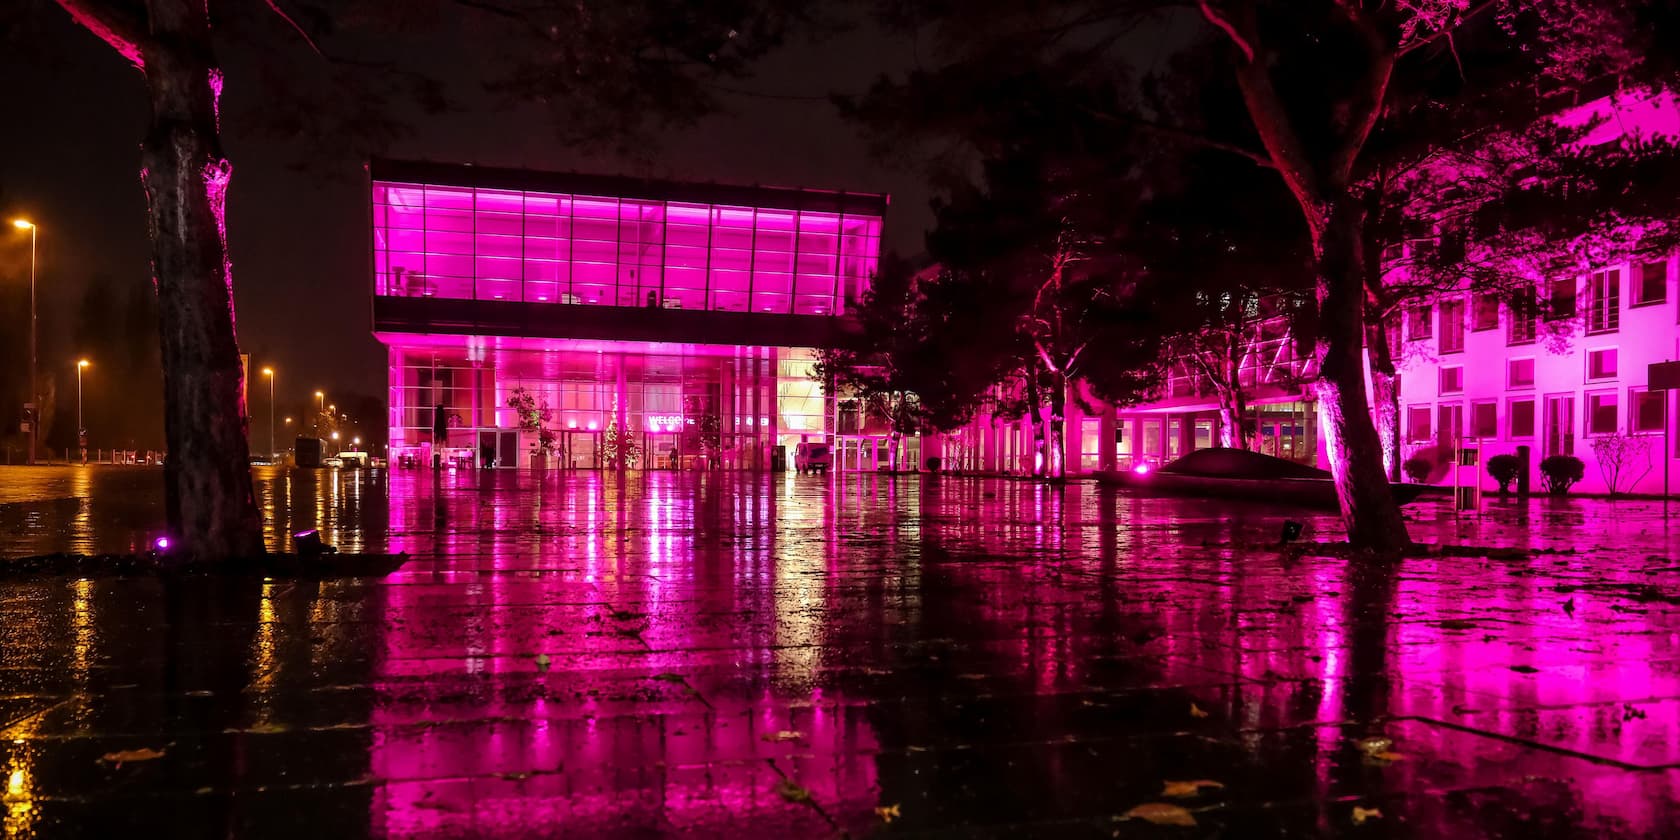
{"x":542,"y":663}
{"x":1196,"y":711}
{"x":783,"y":736}
{"x":887,"y":813}
{"x":1375,"y":744}
{"x":124,"y":756}
{"x":789,"y":790}
{"x":1360,"y":815}
{"x":1161,"y":813}
{"x":1184,"y":790}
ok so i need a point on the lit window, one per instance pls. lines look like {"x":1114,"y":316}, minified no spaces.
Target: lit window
{"x":1647,"y":410}
{"x":1417,"y":424}
{"x":1601,"y":363}
{"x":1524,"y":308}
{"x":1561,"y":299}
{"x":1484,"y":420}
{"x":1519,"y":373}
{"x":1485,"y":313}
{"x":1604,"y":301}
{"x":1653,"y":283}
{"x":1452,"y":326}
{"x":1520,"y":418}
{"x":1601,"y":414}
{"x":1452,"y":380}
{"x":1418,"y":321}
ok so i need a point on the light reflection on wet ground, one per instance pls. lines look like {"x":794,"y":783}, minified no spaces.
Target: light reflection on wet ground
{"x":596,"y":655}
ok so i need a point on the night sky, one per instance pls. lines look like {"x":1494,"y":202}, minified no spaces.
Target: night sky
{"x":299,"y":240}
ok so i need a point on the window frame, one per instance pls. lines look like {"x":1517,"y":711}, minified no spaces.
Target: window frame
{"x":1603,"y":298}
{"x":1511,"y":415}
{"x":1615,"y":351}
{"x":1639,"y":302}
{"x":1589,"y":422}
{"x":1482,"y":304}
{"x":1510,"y":382}
{"x":1441,"y":380}
{"x":1450,"y":314}
{"x":1475,"y":427}
{"x":1634,"y":396}
{"x":1427,"y":412}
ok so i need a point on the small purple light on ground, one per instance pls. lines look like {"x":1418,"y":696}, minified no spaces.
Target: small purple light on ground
{"x":1141,"y":469}
{"x":160,"y":544}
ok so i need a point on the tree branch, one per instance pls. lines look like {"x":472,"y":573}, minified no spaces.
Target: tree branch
{"x":1446,"y":31}
{"x":114,"y":24}
{"x":1229,"y":28}
{"x":274,"y":6}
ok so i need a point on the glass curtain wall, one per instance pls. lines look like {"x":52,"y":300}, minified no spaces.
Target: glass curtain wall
{"x":480,"y":244}
{"x":724,"y":408}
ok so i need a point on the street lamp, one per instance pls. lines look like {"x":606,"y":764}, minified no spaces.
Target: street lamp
{"x":269,"y":372}
{"x":34,"y":395}
{"x":321,"y":409}
{"x":81,"y":428}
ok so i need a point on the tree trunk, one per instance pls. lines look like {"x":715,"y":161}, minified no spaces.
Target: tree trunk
{"x":1369,"y":511}
{"x":212,"y":512}
{"x":1231,"y":410}
{"x":1057,"y":454}
{"x":1385,"y":394}
{"x":1034,"y":410}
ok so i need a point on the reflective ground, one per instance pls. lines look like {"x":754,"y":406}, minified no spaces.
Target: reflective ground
{"x":587,"y":655}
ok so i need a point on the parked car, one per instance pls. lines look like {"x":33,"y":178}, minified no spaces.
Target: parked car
{"x":353,"y":459}
{"x":332,"y":461}
{"x":810,"y":457}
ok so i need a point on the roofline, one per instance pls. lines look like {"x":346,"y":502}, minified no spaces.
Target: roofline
{"x":625,"y":186}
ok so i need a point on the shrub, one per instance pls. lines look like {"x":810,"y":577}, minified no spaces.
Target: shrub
{"x":1561,"y":472}
{"x":933,"y":464}
{"x":1504,"y":469}
{"x":1416,"y":469}
{"x":1619,"y":456}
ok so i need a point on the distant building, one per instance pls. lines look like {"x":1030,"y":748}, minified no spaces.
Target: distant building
{"x":656,"y":323}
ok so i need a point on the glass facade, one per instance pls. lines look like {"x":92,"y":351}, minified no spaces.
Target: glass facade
{"x":455,"y":242}
{"x":678,"y":406}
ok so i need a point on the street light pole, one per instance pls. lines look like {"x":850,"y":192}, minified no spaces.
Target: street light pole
{"x":269,"y":372}
{"x":34,"y":392}
{"x":81,"y":428}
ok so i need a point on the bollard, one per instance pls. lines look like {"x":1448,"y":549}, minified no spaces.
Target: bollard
{"x":1522,"y":472}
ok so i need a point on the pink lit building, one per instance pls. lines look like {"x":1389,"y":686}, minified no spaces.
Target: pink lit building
{"x":675,"y":322}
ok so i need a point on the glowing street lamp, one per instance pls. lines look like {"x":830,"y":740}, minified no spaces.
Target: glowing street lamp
{"x":81,"y":428}
{"x":34,"y":394}
{"x":269,"y":372}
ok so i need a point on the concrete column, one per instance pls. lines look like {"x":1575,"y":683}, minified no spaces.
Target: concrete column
{"x":1106,"y":459}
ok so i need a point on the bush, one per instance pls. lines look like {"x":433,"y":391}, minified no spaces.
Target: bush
{"x":1561,"y":472}
{"x":1416,"y":469}
{"x":933,"y":464}
{"x":1504,"y":469}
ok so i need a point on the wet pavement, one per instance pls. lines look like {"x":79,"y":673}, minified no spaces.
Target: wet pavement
{"x":591,"y":655}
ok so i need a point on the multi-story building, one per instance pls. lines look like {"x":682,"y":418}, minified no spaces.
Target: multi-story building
{"x":583,"y":321}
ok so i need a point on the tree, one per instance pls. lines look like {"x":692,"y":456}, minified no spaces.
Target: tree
{"x":608,"y":70}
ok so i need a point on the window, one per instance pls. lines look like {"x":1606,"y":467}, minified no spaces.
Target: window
{"x":1417,"y":424}
{"x":1484,"y":419}
{"x":1485,"y":313}
{"x":1560,"y":303}
{"x":1418,"y":322}
{"x":1520,"y":418}
{"x":1524,"y":308}
{"x":1652,"y":286}
{"x":1601,"y":414}
{"x":1452,"y":326}
{"x":1452,"y":380}
{"x":1519,"y":373}
{"x":1449,"y":422}
{"x":1604,"y":301}
{"x":1601,"y":363}
{"x":1646,"y":410}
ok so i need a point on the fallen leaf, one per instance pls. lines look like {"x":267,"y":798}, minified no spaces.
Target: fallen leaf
{"x":1360,"y":815}
{"x":782,"y":736}
{"x":1525,"y":669}
{"x":788,"y":790}
{"x":1375,"y":744}
{"x":125,"y":756}
{"x":887,"y":813}
{"x":542,"y":663}
{"x":1161,"y":813}
{"x":668,"y":677}
{"x":1196,"y":711}
{"x":1183,"y":790}
{"x":1386,"y":756}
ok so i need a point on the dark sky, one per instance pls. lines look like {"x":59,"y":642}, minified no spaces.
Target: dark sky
{"x":69,"y":159}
